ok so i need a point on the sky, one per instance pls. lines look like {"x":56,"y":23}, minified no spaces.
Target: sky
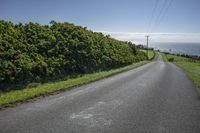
{"x":129,"y":20}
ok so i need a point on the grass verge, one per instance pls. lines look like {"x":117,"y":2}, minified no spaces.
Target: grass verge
{"x":151,"y":54}
{"x":11,"y":98}
{"x":164,"y":57}
{"x":156,"y":56}
{"x":190,"y":67}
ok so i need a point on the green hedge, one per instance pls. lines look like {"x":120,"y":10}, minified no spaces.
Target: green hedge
{"x":39,"y":53}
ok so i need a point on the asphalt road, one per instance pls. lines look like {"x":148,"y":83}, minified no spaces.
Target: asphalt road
{"x":155,"y":98}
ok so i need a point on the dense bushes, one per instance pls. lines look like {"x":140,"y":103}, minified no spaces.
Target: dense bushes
{"x":38,"y":53}
{"x":171,"y":59}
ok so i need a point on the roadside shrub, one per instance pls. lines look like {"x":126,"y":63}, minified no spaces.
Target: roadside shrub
{"x":171,"y":59}
{"x":38,"y":53}
{"x":140,"y":56}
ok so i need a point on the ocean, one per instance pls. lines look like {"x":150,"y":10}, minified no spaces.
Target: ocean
{"x":178,"y":48}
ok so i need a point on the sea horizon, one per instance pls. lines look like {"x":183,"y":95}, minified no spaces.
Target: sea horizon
{"x":188,"y":48}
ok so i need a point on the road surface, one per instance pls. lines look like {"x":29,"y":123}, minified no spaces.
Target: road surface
{"x":155,"y":98}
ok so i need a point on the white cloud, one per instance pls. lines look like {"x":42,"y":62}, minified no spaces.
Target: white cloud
{"x":154,"y":37}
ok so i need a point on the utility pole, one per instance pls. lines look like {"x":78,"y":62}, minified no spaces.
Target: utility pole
{"x":147,"y":43}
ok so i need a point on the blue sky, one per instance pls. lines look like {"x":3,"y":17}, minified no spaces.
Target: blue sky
{"x":119,"y":18}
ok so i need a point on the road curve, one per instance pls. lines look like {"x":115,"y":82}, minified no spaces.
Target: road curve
{"x":155,"y":98}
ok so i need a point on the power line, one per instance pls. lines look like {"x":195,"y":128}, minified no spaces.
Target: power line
{"x":165,"y":6}
{"x":165,"y":12}
{"x":152,"y":16}
{"x":150,"y":22}
{"x":160,"y":13}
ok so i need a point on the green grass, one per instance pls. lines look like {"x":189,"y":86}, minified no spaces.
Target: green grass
{"x":156,"y":56}
{"x":13,"y":97}
{"x":177,"y":58}
{"x":191,"y":67}
{"x":151,"y":54}
{"x":164,"y":57}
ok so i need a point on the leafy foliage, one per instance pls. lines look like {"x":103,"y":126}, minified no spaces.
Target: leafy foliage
{"x":39,"y":53}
